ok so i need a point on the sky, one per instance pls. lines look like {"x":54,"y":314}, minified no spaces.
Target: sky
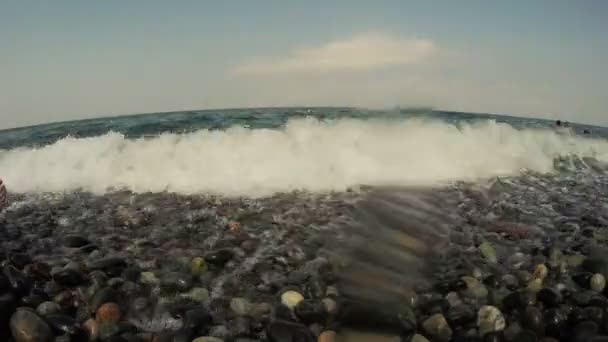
{"x":71,"y":59}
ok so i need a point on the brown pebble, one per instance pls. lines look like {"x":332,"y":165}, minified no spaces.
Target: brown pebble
{"x":108,"y":312}
{"x":92,"y":329}
{"x":327,"y":336}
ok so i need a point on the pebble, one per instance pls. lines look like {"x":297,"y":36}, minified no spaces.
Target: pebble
{"x":108,"y":313}
{"x":419,"y":338}
{"x":540,"y":272}
{"x":488,"y":252}
{"x":437,"y":328}
{"x":48,"y":308}
{"x":490,"y":319}
{"x":291,"y":298}
{"x":598,"y":282}
{"x":27,"y":326}
{"x":327,"y":336}
{"x":240,"y":306}
{"x":207,"y":339}
{"x":149,"y":278}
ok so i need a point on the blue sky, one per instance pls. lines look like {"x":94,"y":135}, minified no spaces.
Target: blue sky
{"x":62,"y":60}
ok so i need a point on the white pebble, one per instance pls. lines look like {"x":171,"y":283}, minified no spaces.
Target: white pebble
{"x":598,"y":282}
{"x":490,"y":319}
{"x":291,"y":298}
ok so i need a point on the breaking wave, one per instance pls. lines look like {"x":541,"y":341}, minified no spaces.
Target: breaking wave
{"x":307,"y":154}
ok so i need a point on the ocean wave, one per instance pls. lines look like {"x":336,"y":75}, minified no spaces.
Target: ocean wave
{"x":306,"y":154}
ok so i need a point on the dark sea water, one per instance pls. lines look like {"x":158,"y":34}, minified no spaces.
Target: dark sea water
{"x":152,"y":124}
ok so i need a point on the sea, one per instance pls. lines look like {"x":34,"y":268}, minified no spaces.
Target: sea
{"x":262,"y":151}
{"x":269,"y":198}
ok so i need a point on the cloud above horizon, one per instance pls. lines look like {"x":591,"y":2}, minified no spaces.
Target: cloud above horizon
{"x":361,"y":52}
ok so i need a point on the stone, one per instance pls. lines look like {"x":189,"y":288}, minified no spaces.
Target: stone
{"x":197,"y":294}
{"x":75,"y":241}
{"x":282,"y":331}
{"x":490,"y":319}
{"x":198,"y":266}
{"x":108,"y":313}
{"x":437,"y":328}
{"x":598,"y":282}
{"x":488,"y":252}
{"x":148,"y":278}
{"x":419,"y":338}
{"x":240,"y":306}
{"x":207,"y":339}
{"x":48,"y":308}
{"x":327,"y":336}
{"x":540,"y":272}
{"x":92,"y":329}
{"x":291,"y":298}
{"x":310,"y":311}
{"x":27,"y":326}
{"x":330,"y":305}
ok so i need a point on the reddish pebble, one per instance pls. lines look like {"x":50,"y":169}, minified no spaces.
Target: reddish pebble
{"x":327,"y":336}
{"x":108,"y":312}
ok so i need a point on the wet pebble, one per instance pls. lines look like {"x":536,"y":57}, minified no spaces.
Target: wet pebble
{"x":490,"y":319}
{"x":27,"y":326}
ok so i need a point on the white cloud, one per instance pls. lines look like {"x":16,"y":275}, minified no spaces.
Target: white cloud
{"x":361,"y":52}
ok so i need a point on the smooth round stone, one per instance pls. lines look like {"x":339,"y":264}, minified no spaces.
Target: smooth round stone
{"x":328,"y":336}
{"x":198,"y":266}
{"x":475,"y":289}
{"x":176,"y":281}
{"x":512,"y":330}
{"x":291,"y":298}
{"x":240,"y":306}
{"x":549,"y":297}
{"x":540,"y":272}
{"x":510,"y":281}
{"x":207,"y":339}
{"x":330,"y":305}
{"x":197,"y":317}
{"x":148,"y":278}
{"x":488,"y":252}
{"x":219,"y":331}
{"x":104,"y":295}
{"x":282,"y":331}
{"x":75,"y":241}
{"x":331,"y":291}
{"x":532,"y":319}
{"x":419,"y":338}
{"x":197,"y":294}
{"x":526,"y":336}
{"x":63,"y":323}
{"x":460,"y":315}
{"x":27,"y":326}
{"x":453,"y":299}
{"x":495,"y":336}
{"x":594,"y":313}
{"x":490,"y":319}
{"x":220,"y":257}
{"x":535,"y":285}
{"x":598,"y":282}
{"x":555,"y":322}
{"x":584,"y":331}
{"x":48,"y":308}
{"x":108,"y":313}
{"x":310,"y":312}
{"x":437,"y":328}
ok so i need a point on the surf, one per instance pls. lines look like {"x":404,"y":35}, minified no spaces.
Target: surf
{"x":306,"y":154}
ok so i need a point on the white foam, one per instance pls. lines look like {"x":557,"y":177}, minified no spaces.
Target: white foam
{"x":307,"y":154}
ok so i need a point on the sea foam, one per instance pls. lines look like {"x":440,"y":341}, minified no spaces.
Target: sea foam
{"x":306,"y":154}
